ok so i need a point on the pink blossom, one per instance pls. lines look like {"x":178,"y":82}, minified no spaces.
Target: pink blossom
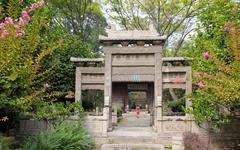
{"x":201,"y":85}
{"x":20,"y":33}
{"x":4,"y":34}
{"x":36,"y":5}
{"x":40,"y":3}
{"x":25,"y":16}
{"x":206,"y":55}
{"x":46,"y":85}
{"x":2,"y":26}
{"x":21,"y":22}
{"x":178,"y":79}
{"x":8,"y":20}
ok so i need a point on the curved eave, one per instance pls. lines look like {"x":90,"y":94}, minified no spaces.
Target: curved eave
{"x":74,"y":59}
{"x":105,"y":39}
{"x":171,"y":59}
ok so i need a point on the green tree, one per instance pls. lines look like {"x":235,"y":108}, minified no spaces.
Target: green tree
{"x":78,"y":24}
{"x":61,"y":79}
{"x":173,"y":19}
{"x":80,"y":17}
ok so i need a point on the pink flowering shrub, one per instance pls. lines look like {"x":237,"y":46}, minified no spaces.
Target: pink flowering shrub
{"x":18,"y":25}
{"x":216,"y":66}
{"x":21,"y":53}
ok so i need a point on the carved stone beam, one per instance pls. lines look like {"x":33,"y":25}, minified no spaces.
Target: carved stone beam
{"x":140,"y":43}
{"x":157,"y":42}
{"x":125,"y":43}
{"x":107,"y":43}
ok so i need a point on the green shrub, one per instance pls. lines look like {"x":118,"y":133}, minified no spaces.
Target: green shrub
{"x":119,"y":112}
{"x":65,"y":136}
{"x":4,"y":145}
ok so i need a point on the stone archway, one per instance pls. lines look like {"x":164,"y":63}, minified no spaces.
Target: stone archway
{"x":134,"y":57}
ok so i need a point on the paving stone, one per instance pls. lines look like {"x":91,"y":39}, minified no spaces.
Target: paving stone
{"x":131,"y":120}
{"x":132,"y":147}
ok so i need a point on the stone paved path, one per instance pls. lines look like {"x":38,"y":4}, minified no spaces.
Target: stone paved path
{"x":130,"y":120}
{"x":133,"y":132}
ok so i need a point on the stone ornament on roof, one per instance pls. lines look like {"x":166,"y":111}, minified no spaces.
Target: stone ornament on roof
{"x":117,"y":36}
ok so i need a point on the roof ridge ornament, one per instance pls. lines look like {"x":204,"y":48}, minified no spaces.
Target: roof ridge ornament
{"x":113,"y":27}
{"x":152,"y":28}
{"x":114,"y":36}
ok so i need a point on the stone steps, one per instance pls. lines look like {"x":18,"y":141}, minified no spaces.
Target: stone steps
{"x":166,"y":140}
{"x":135,"y":134}
{"x":133,"y":113}
{"x":130,"y":119}
{"x":136,"y":138}
{"x":132,"y":147}
{"x":129,"y":135}
{"x":129,"y":140}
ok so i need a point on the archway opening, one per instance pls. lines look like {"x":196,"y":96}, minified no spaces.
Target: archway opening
{"x":127,"y":96}
{"x":137,"y":98}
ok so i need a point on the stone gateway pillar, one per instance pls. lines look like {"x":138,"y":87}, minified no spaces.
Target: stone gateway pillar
{"x":78,"y":85}
{"x":158,"y":89}
{"x":108,"y":90}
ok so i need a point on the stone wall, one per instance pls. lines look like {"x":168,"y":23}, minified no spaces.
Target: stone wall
{"x":95,"y":125}
{"x":132,"y":147}
{"x":114,"y":118}
{"x":28,"y":127}
{"x":228,"y":137}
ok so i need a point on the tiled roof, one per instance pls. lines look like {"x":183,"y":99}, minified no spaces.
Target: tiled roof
{"x":123,"y":35}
